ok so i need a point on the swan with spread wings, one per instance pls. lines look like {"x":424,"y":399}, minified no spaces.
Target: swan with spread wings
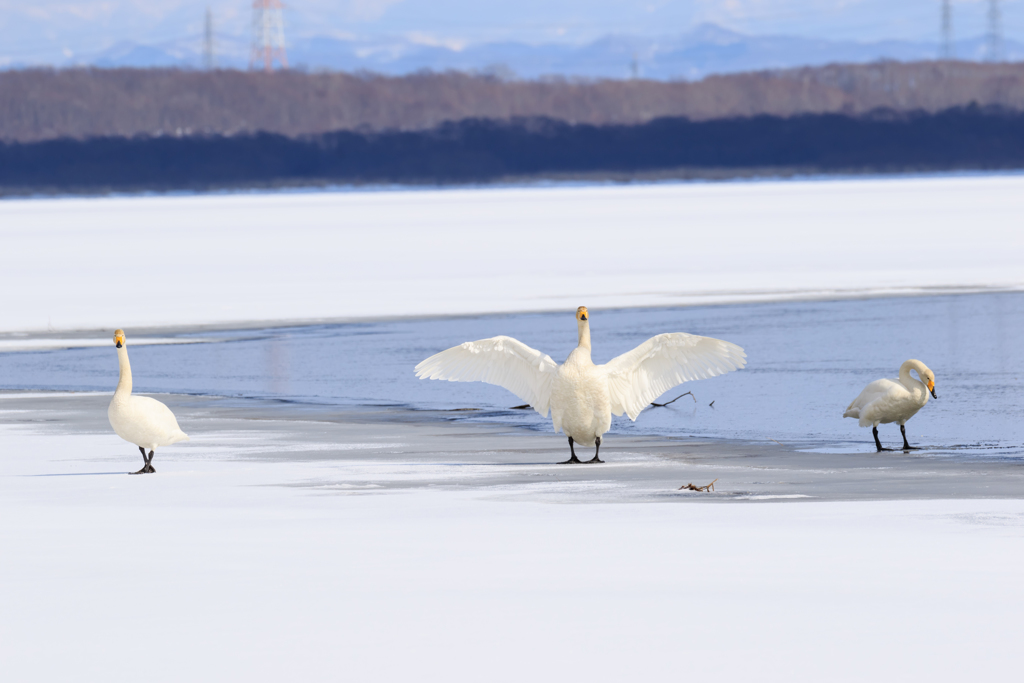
{"x":581,"y":396}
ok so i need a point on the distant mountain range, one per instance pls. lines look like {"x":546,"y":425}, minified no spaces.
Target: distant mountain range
{"x":706,"y":50}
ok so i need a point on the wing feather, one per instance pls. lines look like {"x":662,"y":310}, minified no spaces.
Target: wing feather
{"x":639,"y":376}
{"x":503,"y":361}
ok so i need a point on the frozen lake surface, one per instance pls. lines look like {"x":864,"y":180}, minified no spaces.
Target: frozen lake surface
{"x":103,"y":263}
{"x":333,"y":506}
{"x":286,"y":542}
{"x":806,"y":362}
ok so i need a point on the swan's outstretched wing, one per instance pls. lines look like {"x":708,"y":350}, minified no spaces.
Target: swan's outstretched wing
{"x":504,"y":361}
{"x":638,"y":377}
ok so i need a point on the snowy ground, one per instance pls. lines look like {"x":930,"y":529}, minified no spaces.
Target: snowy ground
{"x":289,"y":542}
{"x":70,"y":264}
{"x":276,"y":548}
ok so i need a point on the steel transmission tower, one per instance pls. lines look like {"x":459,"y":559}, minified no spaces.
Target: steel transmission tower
{"x":268,"y":34}
{"x":995,"y":32}
{"x":208,"y":41}
{"x":947,"y":31}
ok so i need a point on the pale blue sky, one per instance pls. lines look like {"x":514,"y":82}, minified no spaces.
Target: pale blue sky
{"x":40,"y":30}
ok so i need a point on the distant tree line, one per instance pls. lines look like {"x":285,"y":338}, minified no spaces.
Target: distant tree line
{"x":43,"y":104}
{"x":481,"y":150}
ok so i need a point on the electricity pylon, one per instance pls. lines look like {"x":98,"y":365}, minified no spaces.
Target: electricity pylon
{"x":268,"y":34}
{"x":208,"y":62}
{"x":947,"y":31}
{"x":995,"y":32}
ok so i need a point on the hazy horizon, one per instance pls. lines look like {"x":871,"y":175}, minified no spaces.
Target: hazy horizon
{"x":61,"y":33}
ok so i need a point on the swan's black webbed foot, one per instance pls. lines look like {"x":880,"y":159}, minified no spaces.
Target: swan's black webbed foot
{"x":572,"y":460}
{"x":145,"y":462}
{"x":596,"y":453}
{"x":148,"y":467}
{"x":906,"y":444}
{"x":878,"y":444}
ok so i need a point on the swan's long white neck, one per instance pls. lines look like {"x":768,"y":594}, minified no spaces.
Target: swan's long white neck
{"x":584,"y":327}
{"x":907,"y":380}
{"x":124,"y":381}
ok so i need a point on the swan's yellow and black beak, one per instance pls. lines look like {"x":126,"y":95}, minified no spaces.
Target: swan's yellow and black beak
{"x":931,"y":388}
{"x":119,"y":338}
{"x":581,"y":313}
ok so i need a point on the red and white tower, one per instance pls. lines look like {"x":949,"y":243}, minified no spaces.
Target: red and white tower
{"x":268,"y":34}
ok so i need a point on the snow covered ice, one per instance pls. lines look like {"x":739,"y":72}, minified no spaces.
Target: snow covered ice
{"x":339,"y":521}
{"x":72,"y":264}
{"x":301,"y":546}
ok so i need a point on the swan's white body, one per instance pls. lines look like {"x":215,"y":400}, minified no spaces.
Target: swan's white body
{"x":581,"y":404}
{"x":581,"y":396}
{"x":140,"y":420}
{"x":893,"y":400}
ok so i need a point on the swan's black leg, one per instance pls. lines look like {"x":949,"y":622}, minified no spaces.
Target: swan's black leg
{"x":906,"y":444}
{"x":878,"y":444}
{"x":145,"y":462}
{"x":573,"y":459}
{"x":596,"y":453}
{"x":149,"y":463}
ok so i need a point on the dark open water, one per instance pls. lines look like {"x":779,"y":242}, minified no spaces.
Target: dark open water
{"x":806,"y":362}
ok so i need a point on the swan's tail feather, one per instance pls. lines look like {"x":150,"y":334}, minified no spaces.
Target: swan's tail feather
{"x":178,"y":436}
{"x":854,"y":412}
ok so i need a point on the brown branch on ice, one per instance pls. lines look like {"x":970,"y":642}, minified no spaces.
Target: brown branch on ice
{"x":688,"y":393}
{"x":691,"y":487}
{"x":525,"y":406}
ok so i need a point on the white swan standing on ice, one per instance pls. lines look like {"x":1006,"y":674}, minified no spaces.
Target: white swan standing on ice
{"x":140,"y":420}
{"x":582,"y":396}
{"x":893,"y":400}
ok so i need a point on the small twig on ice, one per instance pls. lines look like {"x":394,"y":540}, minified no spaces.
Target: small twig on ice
{"x":522,"y":407}
{"x":710,"y":405}
{"x":688,"y":393}
{"x":778,"y":442}
{"x":691,"y":487}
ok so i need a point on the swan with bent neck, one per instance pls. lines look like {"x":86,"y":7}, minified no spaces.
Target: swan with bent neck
{"x":894,"y":400}
{"x":141,"y":420}
{"x":581,"y":396}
